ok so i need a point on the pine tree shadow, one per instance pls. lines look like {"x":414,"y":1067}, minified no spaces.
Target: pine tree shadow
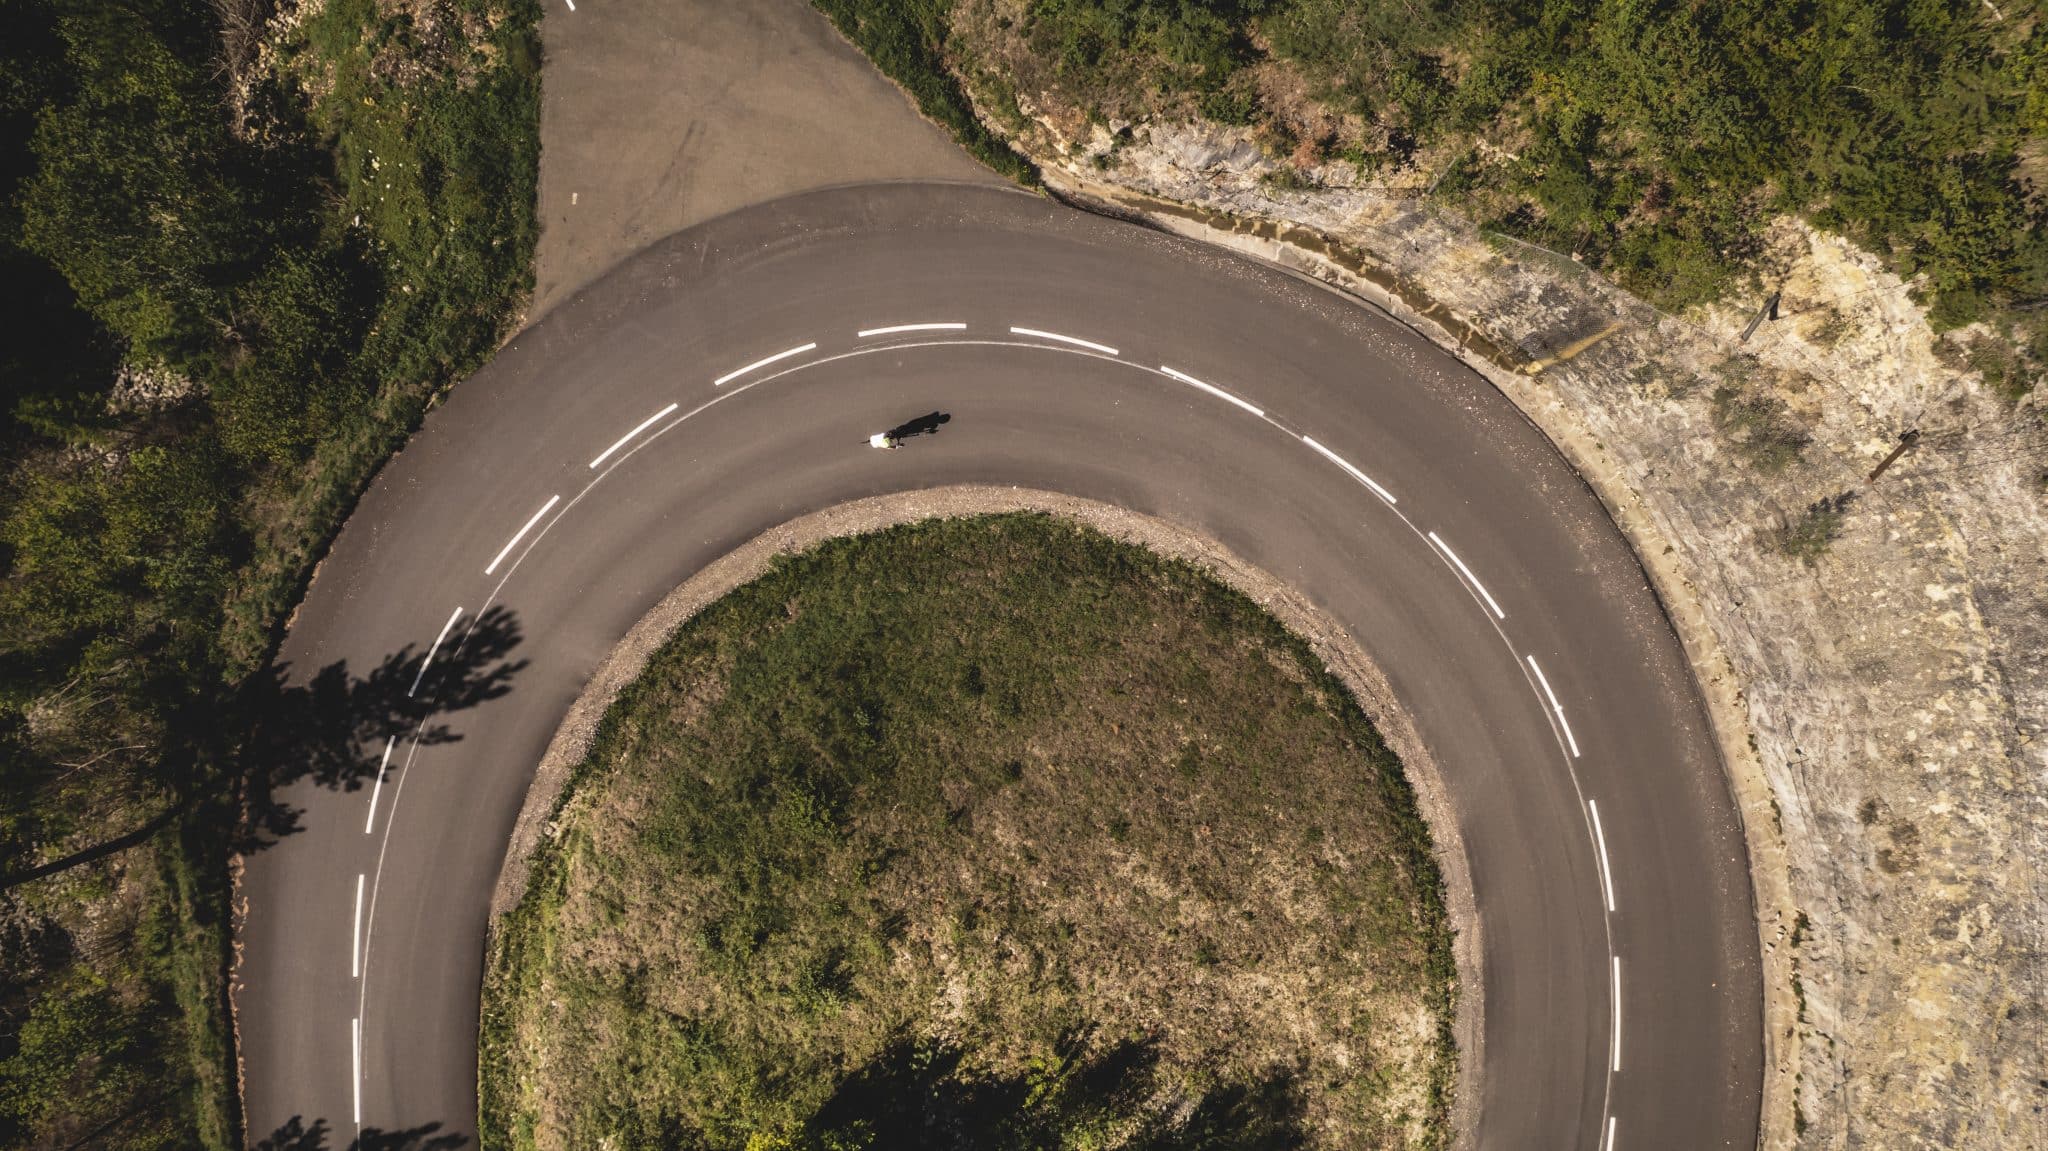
{"x":336,"y":728}
{"x":925,"y":1094}
{"x":296,"y":1135}
{"x":333,"y":729}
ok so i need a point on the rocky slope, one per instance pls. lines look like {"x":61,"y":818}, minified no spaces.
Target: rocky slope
{"x":1876,"y":652}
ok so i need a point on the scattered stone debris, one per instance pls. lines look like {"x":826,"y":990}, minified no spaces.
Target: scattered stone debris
{"x":141,"y":388}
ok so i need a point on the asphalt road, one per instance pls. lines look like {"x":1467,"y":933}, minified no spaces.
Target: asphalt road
{"x":1545,"y":683}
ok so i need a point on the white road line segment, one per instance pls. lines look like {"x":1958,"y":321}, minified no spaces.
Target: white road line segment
{"x":898,"y":329}
{"x":378,"y":789}
{"x":642,"y":426}
{"x":1361,"y":477}
{"x":1039,"y":333}
{"x":428,"y":662}
{"x":370,"y":921}
{"x":1219,"y":393}
{"x":1617,"y":1013}
{"x":1600,"y":841}
{"x":355,"y":1036}
{"x":521,"y":534}
{"x":1555,"y":707}
{"x":1608,"y":1143}
{"x":355,"y":935}
{"x":1467,"y":573}
{"x":729,"y":377}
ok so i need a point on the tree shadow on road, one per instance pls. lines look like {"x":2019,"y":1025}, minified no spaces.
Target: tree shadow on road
{"x":296,"y":1135}
{"x":332,"y":729}
{"x":335,"y":728}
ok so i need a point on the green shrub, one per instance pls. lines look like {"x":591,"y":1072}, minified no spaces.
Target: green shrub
{"x":906,"y":39}
{"x":1653,"y":140}
{"x":1808,"y":537}
{"x":1759,"y":428}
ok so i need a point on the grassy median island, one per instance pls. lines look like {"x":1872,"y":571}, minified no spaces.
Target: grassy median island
{"x":978,"y":833}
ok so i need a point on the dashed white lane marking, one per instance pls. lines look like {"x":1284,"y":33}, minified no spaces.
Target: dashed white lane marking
{"x":377,"y":790}
{"x":355,"y":1038}
{"x":729,"y":377}
{"x":1600,"y":841}
{"x":1608,"y":1143}
{"x":1617,"y":1013}
{"x":370,"y":914}
{"x":1555,"y":707}
{"x":428,"y":662}
{"x":1219,"y":393}
{"x":520,"y":534}
{"x":1361,"y":477}
{"x":355,"y":936}
{"x":1091,"y":345}
{"x":642,"y":426}
{"x":1467,"y":573}
{"x":1103,"y":349}
{"x":897,"y":329}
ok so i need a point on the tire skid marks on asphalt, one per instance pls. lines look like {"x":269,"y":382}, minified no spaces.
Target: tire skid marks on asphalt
{"x":1076,"y":345}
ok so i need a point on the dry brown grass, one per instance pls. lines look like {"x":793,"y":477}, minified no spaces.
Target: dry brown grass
{"x":1000,"y":788}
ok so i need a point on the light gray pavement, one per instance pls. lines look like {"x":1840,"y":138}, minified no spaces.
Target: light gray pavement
{"x":660,"y":114}
{"x":1679,"y":1065}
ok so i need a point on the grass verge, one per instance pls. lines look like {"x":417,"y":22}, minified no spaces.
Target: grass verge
{"x":978,"y":833}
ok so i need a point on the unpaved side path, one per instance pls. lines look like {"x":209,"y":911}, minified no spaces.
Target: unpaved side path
{"x":660,"y":114}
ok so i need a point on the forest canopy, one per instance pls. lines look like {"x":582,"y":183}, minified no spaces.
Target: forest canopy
{"x":238,"y":259}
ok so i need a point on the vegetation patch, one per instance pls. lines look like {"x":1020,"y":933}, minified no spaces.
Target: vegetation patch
{"x":246,"y":244}
{"x":980,"y":833}
{"x":1654,"y":142}
{"x":908,"y":41}
{"x":1759,"y":427}
{"x":1808,"y":537}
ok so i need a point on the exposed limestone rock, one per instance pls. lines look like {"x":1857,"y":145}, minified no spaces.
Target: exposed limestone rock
{"x":1881,"y":696}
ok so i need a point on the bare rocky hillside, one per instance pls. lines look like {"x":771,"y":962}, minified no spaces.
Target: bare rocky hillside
{"x":1876,"y":653}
